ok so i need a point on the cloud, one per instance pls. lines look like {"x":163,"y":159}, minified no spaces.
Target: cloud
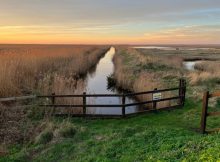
{"x":103,"y":11}
{"x":124,"y":20}
{"x":194,"y":33}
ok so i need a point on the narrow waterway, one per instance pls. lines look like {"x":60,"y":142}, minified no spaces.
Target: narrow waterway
{"x":190,"y":65}
{"x":97,"y":83}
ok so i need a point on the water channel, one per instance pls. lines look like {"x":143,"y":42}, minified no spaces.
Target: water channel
{"x":97,"y":83}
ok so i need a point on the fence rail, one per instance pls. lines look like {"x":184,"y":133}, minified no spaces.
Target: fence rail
{"x":181,"y":97}
{"x":205,"y":113}
{"x":17,"y":98}
{"x":181,"y":100}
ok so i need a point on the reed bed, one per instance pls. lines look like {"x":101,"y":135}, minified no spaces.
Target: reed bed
{"x":206,"y":71}
{"x":41,"y":69}
{"x":44,"y":69}
{"x":136,"y":71}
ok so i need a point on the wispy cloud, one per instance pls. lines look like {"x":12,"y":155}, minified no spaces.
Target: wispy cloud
{"x":190,"y":34}
{"x":124,"y":20}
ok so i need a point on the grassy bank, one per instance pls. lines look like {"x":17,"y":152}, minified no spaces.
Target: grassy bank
{"x":138,"y":72}
{"x":44,"y":69}
{"x":164,"y":136}
{"x":146,"y":69}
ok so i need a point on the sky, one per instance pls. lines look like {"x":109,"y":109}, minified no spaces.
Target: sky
{"x":110,"y":21}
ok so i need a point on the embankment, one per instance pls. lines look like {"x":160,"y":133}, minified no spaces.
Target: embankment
{"x":138,"y":72}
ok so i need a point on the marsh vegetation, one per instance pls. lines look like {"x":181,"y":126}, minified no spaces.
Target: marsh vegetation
{"x":166,"y":136}
{"x":43,"y":69}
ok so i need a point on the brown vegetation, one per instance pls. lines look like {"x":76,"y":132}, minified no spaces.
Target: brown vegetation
{"x":139,"y":72}
{"x":27,"y":69}
{"x":160,"y":68}
{"x":205,"y":71}
{"x":44,"y":69}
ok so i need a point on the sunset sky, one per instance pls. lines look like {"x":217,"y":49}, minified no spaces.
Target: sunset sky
{"x":110,"y":21}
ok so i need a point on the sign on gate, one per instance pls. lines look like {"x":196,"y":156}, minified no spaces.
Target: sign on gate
{"x":157,"y":96}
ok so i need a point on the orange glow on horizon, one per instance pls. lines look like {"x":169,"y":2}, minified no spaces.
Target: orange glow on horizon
{"x":48,"y":35}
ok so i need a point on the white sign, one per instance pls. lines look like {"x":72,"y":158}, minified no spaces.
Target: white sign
{"x":157,"y":96}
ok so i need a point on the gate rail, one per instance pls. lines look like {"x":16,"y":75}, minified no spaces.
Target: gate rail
{"x":205,"y":113}
{"x":123,"y":105}
{"x":181,"y":100}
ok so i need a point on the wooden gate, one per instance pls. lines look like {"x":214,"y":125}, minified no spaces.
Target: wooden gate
{"x":181,"y":90}
{"x":205,"y":112}
{"x":155,"y":95}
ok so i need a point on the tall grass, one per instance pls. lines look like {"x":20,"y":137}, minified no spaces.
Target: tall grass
{"x":44,"y":69}
{"x":41,"y":69}
{"x":206,"y":71}
{"x":138,"y":72}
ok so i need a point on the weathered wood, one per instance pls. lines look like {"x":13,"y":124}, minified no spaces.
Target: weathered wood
{"x":90,"y":115}
{"x":183,"y":91}
{"x":87,"y":95}
{"x":118,"y":105}
{"x":17,"y":98}
{"x":154,"y":101}
{"x":213,"y":130}
{"x":123,"y":105}
{"x":72,"y":106}
{"x":216,"y":94}
{"x":213,"y":114}
{"x":112,"y":95}
{"x":204,"y":112}
{"x":148,"y":102}
{"x":149,"y":92}
{"x":180,"y":91}
{"x":53,"y":102}
{"x":84,"y":104}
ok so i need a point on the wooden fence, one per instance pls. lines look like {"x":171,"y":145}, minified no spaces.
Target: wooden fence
{"x":180,"y":97}
{"x":205,"y":112}
{"x":156,"y":98}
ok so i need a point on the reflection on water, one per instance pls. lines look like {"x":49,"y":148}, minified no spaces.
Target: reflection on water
{"x":97,"y":84}
{"x":190,"y":65}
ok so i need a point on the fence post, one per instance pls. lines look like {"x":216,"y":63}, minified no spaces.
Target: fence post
{"x":204,"y":111}
{"x":123,"y":105}
{"x":154,"y":102}
{"x":53,"y":102}
{"x":184,"y":91}
{"x":84,"y":103}
{"x":181,"y":91}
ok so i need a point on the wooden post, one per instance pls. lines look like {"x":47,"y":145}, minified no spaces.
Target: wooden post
{"x":204,"y":111}
{"x":184,"y":91}
{"x":123,"y":105}
{"x":53,"y":103}
{"x":155,"y":102}
{"x":181,"y":92}
{"x":84,"y":103}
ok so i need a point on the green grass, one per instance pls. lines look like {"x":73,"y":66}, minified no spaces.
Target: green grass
{"x":164,"y":136}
